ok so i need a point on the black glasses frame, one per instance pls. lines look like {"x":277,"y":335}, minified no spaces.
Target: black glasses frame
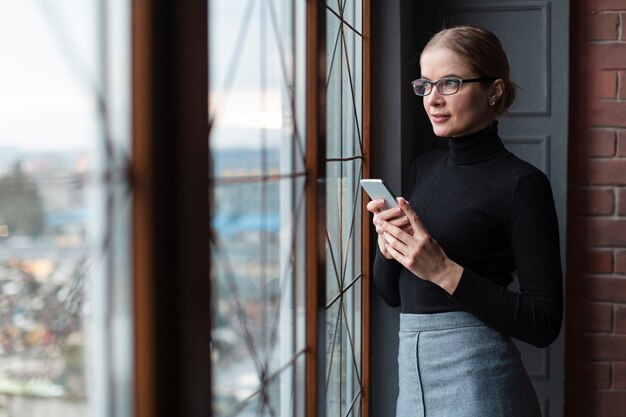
{"x":457,"y":80}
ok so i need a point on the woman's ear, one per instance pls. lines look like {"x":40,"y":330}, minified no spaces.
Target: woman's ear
{"x":497,"y":90}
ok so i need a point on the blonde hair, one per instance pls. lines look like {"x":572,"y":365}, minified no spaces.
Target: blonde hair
{"x":482,"y":50}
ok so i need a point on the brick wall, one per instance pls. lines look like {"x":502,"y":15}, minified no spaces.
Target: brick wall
{"x":596,"y":255}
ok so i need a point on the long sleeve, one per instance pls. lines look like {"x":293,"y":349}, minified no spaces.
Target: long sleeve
{"x":534,"y":314}
{"x":386,"y":277}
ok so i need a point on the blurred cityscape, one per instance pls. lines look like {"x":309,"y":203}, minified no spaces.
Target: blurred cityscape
{"x":45,"y":270}
{"x":247,"y":293}
{"x":44,"y":267}
{"x":255,"y":316}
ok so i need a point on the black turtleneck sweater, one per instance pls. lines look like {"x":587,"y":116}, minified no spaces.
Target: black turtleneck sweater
{"x":493,"y":214}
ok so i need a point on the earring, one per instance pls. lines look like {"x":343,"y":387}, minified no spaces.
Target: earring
{"x":492,"y":103}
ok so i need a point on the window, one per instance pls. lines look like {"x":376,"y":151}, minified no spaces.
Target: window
{"x":344,"y":169}
{"x":261,"y":173}
{"x":256,"y":118}
{"x":65,"y":328}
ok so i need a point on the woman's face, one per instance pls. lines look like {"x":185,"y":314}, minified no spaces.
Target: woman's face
{"x":458,"y":114}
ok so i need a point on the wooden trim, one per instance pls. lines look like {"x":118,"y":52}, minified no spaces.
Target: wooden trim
{"x":142,"y":196}
{"x":170,"y":178}
{"x":315,"y":206}
{"x":366,"y":225}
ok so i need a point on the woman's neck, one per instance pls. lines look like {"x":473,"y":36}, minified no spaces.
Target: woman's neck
{"x":476,"y":146}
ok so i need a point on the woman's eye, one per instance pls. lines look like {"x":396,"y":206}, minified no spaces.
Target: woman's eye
{"x":451,"y":83}
{"x":421,"y":87}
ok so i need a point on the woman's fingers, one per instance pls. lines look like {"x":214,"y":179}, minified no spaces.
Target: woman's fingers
{"x":414,"y":220}
{"x":394,"y":216}
{"x":389,"y":214}
{"x":393,"y":252}
{"x":402,"y":223}
{"x":404,"y":233}
{"x":372,"y":206}
{"x":405,"y":239}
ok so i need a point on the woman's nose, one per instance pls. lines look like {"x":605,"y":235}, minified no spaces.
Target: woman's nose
{"x":435,"y":98}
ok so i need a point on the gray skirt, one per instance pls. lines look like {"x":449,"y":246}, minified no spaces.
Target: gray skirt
{"x":453,"y":365}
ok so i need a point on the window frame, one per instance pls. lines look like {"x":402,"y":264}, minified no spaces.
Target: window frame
{"x":170,"y":205}
{"x":316,"y":209}
{"x":171,"y":318}
{"x":315,"y":206}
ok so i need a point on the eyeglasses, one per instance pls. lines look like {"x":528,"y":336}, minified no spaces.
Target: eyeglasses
{"x":445,"y":86}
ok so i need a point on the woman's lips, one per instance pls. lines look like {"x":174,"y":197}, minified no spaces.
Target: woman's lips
{"x":439,"y":118}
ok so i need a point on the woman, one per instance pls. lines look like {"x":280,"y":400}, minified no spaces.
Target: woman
{"x":476,"y":214}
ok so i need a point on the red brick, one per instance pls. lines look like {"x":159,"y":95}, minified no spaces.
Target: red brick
{"x":599,"y":262}
{"x":599,"y":318}
{"x":591,"y":201}
{"x":607,"y":56}
{"x":605,"y":347}
{"x":598,"y":375}
{"x":620,"y":320}
{"x":621,"y":75}
{"x":607,"y":112}
{"x":621,"y":202}
{"x":621,"y":138}
{"x":619,"y":375}
{"x":603,"y":26}
{"x":605,"y":85}
{"x":606,"y":171}
{"x":602,"y":143}
{"x":607,"y":289}
{"x":604,"y":5}
{"x":601,"y":232}
{"x":620,"y":262}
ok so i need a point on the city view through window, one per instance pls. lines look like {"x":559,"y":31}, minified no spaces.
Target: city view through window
{"x":65,"y":281}
{"x":257,"y":94}
{"x":256,"y":114}
{"x":64,"y":137}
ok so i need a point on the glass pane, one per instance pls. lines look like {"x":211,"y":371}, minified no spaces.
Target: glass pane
{"x":343,"y":212}
{"x":334,"y":359}
{"x":344,"y":95}
{"x":256,"y":318}
{"x":65,"y":288}
{"x":353,"y":14}
{"x":343,"y":221}
{"x":334,"y":253}
{"x":257,"y":147}
{"x":343,"y":352}
{"x":350,"y":11}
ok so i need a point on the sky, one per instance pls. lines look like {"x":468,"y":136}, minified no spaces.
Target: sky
{"x":247,"y":84}
{"x":50,"y":75}
{"x":48,"y":78}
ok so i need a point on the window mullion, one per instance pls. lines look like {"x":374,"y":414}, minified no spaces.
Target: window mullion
{"x":366,"y":225}
{"x":316,"y":204}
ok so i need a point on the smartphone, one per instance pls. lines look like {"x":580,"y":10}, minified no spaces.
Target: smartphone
{"x":376,"y":189}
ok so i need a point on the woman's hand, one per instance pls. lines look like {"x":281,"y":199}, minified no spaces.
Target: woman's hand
{"x":393,"y":216}
{"x":418,"y":251}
